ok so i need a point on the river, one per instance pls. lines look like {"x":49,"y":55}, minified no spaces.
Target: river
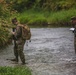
{"x":50,"y":52}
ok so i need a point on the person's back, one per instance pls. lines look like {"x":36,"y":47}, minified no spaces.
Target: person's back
{"x":73,"y":21}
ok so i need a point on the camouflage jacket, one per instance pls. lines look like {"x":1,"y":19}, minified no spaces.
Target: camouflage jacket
{"x":75,"y":32}
{"x":18,"y":32}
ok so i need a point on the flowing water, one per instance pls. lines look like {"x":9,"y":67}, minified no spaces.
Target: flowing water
{"x":50,"y":52}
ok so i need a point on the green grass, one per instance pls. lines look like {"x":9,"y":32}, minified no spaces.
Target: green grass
{"x":15,"y":71}
{"x":63,"y":15}
{"x":36,"y":18}
{"x":31,"y":17}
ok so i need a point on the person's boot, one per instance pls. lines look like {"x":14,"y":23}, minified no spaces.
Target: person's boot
{"x":75,"y":51}
{"x":15,"y":59}
{"x":23,"y":63}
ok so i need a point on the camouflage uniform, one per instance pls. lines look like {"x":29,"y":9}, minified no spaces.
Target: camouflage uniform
{"x":75,"y":39}
{"x":19,"y":44}
{"x":73,"y":20}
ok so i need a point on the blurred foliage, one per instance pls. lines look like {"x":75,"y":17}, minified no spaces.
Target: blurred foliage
{"x":51,"y":5}
{"x":41,"y":18}
{"x":4,"y":33}
{"x":5,"y":13}
{"x":8,"y":7}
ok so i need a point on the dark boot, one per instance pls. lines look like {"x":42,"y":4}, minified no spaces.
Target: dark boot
{"x":15,"y":59}
{"x":75,"y":51}
{"x":23,"y":63}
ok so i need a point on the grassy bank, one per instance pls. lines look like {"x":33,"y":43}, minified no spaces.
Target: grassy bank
{"x":46,"y":18}
{"x":15,"y":71}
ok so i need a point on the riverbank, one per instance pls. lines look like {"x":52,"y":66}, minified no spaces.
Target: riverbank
{"x":47,"y":18}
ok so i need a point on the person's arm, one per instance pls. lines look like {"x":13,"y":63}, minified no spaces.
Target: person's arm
{"x":18,"y":32}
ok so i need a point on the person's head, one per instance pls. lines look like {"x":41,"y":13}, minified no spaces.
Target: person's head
{"x":73,"y":20}
{"x":14,"y":21}
{"x":75,"y":26}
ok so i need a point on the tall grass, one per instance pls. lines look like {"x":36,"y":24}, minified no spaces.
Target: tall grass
{"x":35,"y":18}
{"x":32,"y":18}
{"x":15,"y":71}
{"x":63,"y":15}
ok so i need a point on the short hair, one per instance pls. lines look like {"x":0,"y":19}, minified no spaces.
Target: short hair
{"x":14,"y":20}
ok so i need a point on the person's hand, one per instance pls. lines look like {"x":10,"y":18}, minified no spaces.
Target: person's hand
{"x":13,"y":33}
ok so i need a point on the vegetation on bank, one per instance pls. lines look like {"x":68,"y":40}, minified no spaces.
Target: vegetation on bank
{"x":4,"y":33}
{"x":46,"y":18}
{"x":15,"y":71}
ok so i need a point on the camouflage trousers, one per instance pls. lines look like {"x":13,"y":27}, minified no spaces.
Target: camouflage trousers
{"x":75,"y":44}
{"x":18,"y":50}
